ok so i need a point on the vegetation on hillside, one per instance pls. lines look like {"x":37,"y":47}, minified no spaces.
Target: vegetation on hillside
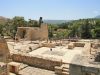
{"x":83,"y":28}
{"x":9,"y":27}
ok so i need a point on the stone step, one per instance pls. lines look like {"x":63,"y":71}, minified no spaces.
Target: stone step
{"x":12,"y":73}
{"x":58,"y":69}
{"x":65,"y":70}
{"x":65,"y":73}
{"x":65,"y":62}
{"x":93,"y":52}
{"x":97,"y":54}
{"x":91,"y":58}
{"x":62,"y":70}
{"x":92,"y":55}
{"x":65,"y":66}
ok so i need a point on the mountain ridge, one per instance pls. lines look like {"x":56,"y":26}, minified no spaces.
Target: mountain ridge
{"x":98,"y":16}
{"x":55,"y":21}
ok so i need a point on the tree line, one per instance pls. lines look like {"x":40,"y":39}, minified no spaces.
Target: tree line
{"x":9,"y":27}
{"x":82,"y":28}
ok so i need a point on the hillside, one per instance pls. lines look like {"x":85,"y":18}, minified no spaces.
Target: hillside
{"x":3,"y":20}
{"x":55,"y":21}
{"x":97,"y":16}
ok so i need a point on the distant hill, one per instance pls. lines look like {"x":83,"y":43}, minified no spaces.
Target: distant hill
{"x":55,"y":21}
{"x":3,"y":20}
{"x":97,"y":16}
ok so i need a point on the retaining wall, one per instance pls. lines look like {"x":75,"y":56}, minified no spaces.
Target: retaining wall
{"x":36,"y":61}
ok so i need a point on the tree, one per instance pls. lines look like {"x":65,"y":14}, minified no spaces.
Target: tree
{"x":50,"y":31}
{"x":1,"y":29}
{"x":86,"y":30}
{"x":19,"y":21}
{"x":33,"y":23}
{"x":96,"y":33}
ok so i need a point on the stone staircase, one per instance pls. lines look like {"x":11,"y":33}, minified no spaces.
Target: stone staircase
{"x":93,"y":54}
{"x":62,"y":70}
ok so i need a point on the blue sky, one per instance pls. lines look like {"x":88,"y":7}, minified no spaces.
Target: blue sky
{"x":50,"y":9}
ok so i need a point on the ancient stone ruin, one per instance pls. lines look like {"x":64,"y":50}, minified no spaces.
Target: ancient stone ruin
{"x":4,"y":51}
{"x":4,"y":57}
{"x":33,"y":33}
{"x":33,"y":54}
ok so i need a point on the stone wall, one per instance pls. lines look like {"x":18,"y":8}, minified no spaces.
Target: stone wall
{"x":83,"y":70}
{"x":87,"y":49}
{"x":50,"y":45}
{"x":71,"y":45}
{"x":79,"y":44}
{"x":4,"y":51}
{"x":33,"y":33}
{"x":36,"y":61}
{"x":75,"y":70}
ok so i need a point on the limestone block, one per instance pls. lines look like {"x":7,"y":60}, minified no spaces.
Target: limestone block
{"x":51,"y":45}
{"x":58,"y":70}
{"x":79,"y":44}
{"x":33,"y":33}
{"x":14,"y":67}
{"x":95,"y":46}
{"x":70,"y":46}
{"x":37,"y":61}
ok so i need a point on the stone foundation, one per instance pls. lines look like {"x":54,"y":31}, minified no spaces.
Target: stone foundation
{"x":32,"y":33}
{"x":36,"y":61}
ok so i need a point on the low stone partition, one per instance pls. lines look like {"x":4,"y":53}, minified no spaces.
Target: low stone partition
{"x":51,"y":45}
{"x":36,"y":61}
{"x":71,"y":45}
{"x":87,"y":49}
{"x":79,"y":44}
{"x":95,"y":45}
